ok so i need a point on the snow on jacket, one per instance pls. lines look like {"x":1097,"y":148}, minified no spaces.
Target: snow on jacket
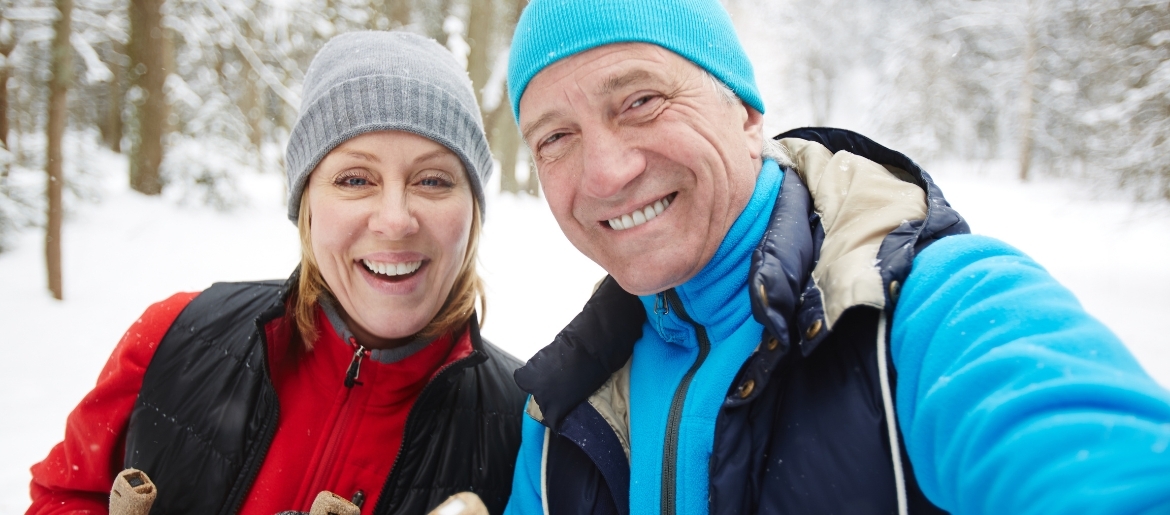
{"x":228,"y":413}
{"x":1009,"y":398}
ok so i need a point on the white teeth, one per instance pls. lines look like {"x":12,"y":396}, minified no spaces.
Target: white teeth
{"x":639,"y":216}
{"x":392,"y":269}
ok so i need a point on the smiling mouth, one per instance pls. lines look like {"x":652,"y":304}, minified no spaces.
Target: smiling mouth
{"x":392,"y":271}
{"x":641,"y":215}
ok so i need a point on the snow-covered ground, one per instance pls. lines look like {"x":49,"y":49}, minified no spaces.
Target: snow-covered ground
{"x":130,"y":250}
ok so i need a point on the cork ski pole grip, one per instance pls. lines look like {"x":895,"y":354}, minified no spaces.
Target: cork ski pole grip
{"x":462,"y":503}
{"x":329,"y":503}
{"x":133,"y":493}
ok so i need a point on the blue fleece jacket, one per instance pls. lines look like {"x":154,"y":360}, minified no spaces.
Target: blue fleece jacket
{"x":717,"y":298}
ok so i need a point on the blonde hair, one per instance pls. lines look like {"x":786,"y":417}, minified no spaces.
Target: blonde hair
{"x":455,"y":313}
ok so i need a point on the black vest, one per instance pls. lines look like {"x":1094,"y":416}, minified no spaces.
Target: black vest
{"x":207,"y":412}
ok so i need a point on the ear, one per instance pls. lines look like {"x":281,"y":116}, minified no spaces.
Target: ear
{"x":753,"y":131}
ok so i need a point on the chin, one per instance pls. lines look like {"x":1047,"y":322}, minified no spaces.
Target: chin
{"x":399,"y":326}
{"x":639,"y":284}
{"x":399,"y":331}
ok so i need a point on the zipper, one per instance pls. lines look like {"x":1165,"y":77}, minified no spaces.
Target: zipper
{"x":674,"y":418}
{"x":338,"y":426}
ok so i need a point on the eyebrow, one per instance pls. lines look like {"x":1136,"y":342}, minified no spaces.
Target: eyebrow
{"x":436,"y":153}
{"x":533,"y":126}
{"x":617,"y":82}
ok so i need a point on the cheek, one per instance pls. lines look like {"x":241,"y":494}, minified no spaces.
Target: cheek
{"x":451,"y":229}
{"x":331,"y":230}
{"x":558,"y":191}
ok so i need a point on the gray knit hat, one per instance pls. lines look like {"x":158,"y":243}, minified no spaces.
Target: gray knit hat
{"x":363,"y":82}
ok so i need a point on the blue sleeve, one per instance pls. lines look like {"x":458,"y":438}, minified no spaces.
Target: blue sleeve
{"x":525,"y":498}
{"x":1012,"y":399}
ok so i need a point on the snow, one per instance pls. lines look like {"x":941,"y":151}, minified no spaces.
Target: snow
{"x":129,"y":250}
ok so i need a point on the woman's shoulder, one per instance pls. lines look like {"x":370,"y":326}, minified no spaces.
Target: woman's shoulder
{"x":235,"y":301}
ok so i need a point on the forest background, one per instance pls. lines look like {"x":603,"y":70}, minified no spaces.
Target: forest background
{"x":146,"y":138}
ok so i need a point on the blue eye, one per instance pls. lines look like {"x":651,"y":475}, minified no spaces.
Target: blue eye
{"x":354,"y":181}
{"x":434,"y":182}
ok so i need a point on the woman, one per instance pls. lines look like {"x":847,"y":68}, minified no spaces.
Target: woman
{"x":363,"y":374}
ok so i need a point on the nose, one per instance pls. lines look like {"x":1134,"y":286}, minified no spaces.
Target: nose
{"x":393,"y":217}
{"x":610,"y":162}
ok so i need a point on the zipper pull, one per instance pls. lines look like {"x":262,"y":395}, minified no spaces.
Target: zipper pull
{"x":660,"y":306}
{"x":351,"y":375}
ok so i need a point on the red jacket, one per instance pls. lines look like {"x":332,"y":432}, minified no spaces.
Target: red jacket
{"x":327,"y":438}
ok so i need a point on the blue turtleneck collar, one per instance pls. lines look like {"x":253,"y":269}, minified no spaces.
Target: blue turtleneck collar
{"x":710,"y":296}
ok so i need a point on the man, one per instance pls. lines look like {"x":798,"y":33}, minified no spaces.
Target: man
{"x":792,"y":326}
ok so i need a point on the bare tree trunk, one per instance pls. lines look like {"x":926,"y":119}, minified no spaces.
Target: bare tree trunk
{"x":434,"y":19}
{"x":503,"y":135}
{"x":4,"y":71}
{"x":62,"y":67}
{"x":253,"y":111}
{"x":111,"y":127}
{"x":506,"y":144}
{"x":148,"y":47}
{"x":399,"y":13}
{"x":252,"y":101}
{"x":7,"y":44}
{"x":1027,"y":91}
{"x":480,"y":29}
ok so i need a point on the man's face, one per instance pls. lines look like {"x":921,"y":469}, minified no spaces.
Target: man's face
{"x":643,"y":161}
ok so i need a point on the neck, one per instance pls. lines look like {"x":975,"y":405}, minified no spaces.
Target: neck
{"x":714,"y":291}
{"x":350,"y":331}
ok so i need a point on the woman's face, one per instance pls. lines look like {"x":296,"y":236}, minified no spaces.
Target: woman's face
{"x":391,"y":214}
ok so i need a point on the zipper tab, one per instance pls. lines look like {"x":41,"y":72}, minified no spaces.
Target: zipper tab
{"x":355,"y":365}
{"x":660,"y":305}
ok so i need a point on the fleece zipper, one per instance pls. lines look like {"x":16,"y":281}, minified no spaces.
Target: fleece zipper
{"x":339,"y":425}
{"x":674,"y":417}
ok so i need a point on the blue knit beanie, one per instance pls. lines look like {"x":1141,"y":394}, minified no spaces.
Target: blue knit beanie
{"x":698,"y":30}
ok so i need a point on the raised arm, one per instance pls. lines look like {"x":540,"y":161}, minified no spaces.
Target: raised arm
{"x":1012,"y":399}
